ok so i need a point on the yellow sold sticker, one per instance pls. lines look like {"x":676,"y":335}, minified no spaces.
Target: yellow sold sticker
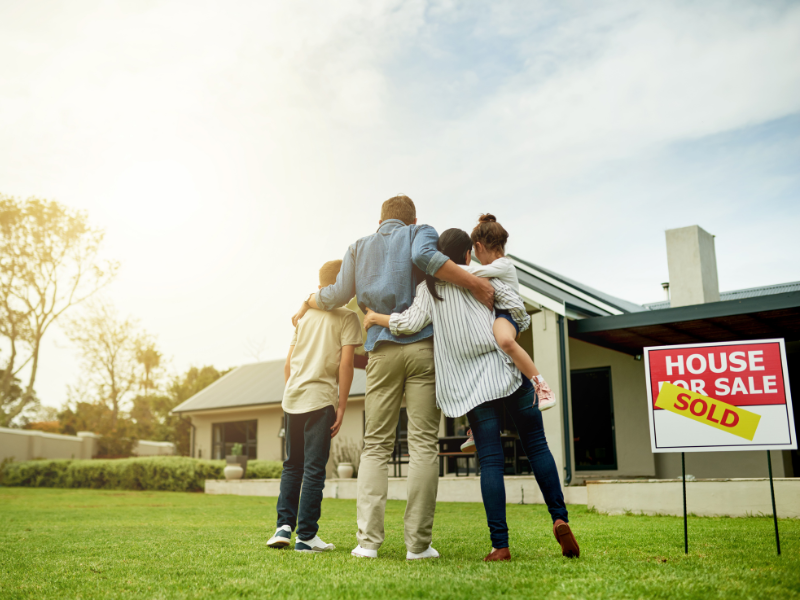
{"x":709,"y":411}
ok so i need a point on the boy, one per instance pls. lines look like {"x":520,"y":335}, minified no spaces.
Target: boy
{"x":320,"y":356}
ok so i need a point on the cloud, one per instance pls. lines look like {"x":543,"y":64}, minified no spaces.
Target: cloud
{"x":230,"y":148}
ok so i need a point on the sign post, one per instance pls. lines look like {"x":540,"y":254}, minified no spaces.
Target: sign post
{"x":774,"y":512}
{"x":685,"y":521}
{"x":720,"y":397}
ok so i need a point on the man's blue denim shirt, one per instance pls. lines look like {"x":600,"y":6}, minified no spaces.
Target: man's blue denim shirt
{"x":378,"y":270}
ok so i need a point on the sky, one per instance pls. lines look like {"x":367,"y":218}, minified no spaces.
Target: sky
{"x":229,"y":149}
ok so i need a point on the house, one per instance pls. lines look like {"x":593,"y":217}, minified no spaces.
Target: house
{"x":589,"y":345}
{"x":244,"y":407}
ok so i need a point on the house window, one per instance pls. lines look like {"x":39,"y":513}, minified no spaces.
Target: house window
{"x":593,"y":420}
{"x":225,"y":435}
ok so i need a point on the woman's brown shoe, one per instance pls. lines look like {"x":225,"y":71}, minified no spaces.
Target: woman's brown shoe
{"x":569,"y":545}
{"x":499,"y":554}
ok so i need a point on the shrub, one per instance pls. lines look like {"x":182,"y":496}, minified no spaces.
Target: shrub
{"x":117,"y":447}
{"x":5,"y":462}
{"x":165,"y":473}
{"x":263,"y":469}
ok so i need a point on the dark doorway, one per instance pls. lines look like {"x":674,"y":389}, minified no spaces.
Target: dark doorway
{"x":593,"y":420}
{"x":225,"y":435}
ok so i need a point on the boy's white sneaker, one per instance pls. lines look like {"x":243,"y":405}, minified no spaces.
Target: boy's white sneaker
{"x":429,"y":553}
{"x":547,"y":398}
{"x":360,"y":552}
{"x":315,"y":544}
{"x":282,"y":537}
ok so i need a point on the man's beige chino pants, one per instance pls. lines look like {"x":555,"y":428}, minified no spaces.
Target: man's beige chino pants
{"x":392,"y":371}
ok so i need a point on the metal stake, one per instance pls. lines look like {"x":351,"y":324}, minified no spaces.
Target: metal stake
{"x":774,"y":511}
{"x":685,"y":524}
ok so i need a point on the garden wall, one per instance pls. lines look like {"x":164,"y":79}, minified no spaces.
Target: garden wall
{"x":26,"y":444}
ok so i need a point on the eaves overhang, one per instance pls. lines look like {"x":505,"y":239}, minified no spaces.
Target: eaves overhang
{"x":775,"y":316}
{"x":243,"y":407}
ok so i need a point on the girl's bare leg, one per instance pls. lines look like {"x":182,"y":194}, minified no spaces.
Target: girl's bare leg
{"x":505,"y":334}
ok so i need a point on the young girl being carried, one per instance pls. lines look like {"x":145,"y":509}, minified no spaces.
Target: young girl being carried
{"x":489,"y":243}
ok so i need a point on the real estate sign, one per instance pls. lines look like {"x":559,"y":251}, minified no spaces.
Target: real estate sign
{"x":719,"y":397}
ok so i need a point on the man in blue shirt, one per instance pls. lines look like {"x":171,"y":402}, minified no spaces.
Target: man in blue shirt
{"x":383,"y":270}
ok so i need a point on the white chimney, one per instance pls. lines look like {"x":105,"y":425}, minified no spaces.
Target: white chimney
{"x":692,"y":266}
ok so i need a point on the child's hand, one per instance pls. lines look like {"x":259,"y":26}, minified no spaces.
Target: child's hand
{"x":337,"y":424}
{"x":369,"y":319}
{"x":299,"y":314}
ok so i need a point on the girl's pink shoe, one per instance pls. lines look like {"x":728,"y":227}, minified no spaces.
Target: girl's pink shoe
{"x":469,"y":445}
{"x":547,"y":399}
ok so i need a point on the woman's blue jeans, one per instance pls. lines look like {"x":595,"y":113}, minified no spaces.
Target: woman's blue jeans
{"x":486,"y":422}
{"x":308,"y":445}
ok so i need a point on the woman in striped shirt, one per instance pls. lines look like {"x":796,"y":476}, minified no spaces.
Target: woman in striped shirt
{"x":475,"y":377}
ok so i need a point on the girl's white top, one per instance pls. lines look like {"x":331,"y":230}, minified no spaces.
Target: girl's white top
{"x":503,"y":269}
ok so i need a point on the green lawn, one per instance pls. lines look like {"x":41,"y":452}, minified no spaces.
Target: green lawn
{"x":104,"y":544}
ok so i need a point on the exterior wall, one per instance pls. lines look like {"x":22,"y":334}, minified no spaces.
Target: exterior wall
{"x":269,"y":419}
{"x":632,"y":428}
{"x":708,"y":465}
{"x":519,"y":490}
{"x":146,"y":448}
{"x":709,"y":498}
{"x":24,"y":444}
{"x":544,"y":339}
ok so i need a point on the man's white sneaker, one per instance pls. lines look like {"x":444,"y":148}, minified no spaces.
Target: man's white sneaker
{"x":364,"y":552}
{"x":282,"y":537}
{"x":315,"y":544}
{"x":429,"y":553}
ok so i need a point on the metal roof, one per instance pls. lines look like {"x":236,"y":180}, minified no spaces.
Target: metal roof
{"x":765,"y":290}
{"x":768,"y":316}
{"x":258,"y":384}
{"x":580,"y":298}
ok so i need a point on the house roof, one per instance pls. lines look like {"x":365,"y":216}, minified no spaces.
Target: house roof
{"x":258,"y":384}
{"x":765,"y":290}
{"x":570,"y":294}
{"x":767,"y":316}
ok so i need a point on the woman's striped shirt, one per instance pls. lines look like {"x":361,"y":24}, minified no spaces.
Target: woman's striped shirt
{"x":470,"y":367}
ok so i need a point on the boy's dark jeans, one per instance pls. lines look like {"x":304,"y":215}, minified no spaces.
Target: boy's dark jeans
{"x":486,"y":422}
{"x":308,"y":445}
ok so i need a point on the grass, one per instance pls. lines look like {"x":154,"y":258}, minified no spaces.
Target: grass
{"x":105,"y":544}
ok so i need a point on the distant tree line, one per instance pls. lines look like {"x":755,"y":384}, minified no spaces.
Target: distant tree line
{"x":149,"y":416}
{"x":50,"y":262}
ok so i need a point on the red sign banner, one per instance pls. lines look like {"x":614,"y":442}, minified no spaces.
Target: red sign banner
{"x":740,"y":374}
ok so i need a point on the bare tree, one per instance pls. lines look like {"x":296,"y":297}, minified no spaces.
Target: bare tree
{"x":255,"y":348}
{"x":108,"y":346}
{"x":49,"y":262}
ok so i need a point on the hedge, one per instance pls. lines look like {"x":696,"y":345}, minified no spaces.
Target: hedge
{"x":166,"y":473}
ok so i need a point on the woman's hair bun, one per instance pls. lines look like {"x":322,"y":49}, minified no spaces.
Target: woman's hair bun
{"x":487,"y":218}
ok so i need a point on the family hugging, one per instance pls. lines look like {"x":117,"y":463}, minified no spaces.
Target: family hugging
{"x":441,"y":334}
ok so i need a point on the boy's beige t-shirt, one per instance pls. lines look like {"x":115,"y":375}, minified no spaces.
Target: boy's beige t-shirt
{"x":314,"y":380}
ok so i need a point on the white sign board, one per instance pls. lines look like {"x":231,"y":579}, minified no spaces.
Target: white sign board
{"x":719,"y":397}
